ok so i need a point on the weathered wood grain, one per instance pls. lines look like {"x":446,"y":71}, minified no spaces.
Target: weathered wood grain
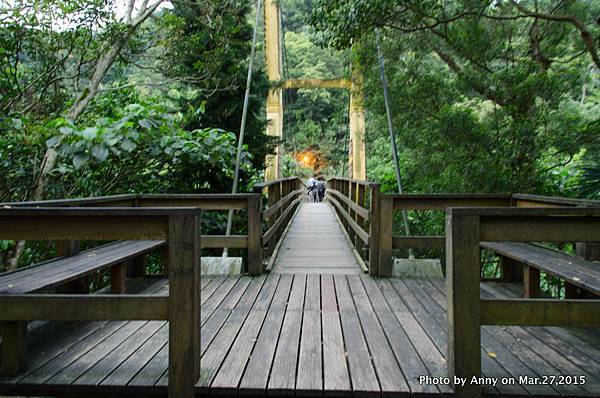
{"x":462,"y":270}
{"x":184,"y":304}
{"x":365,"y":326}
{"x":51,"y":307}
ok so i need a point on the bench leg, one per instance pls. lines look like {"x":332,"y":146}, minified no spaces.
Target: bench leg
{"x":532,"y":282}
{"x":117,"y":278}
{"x":14,"y":347}
{"x":77,"y":286}
{"x":164,"y":255}
{"x":572,"y":291}
{"x":511,"y":270}
{"x":137,"y":268}
{"x":67,"y":248}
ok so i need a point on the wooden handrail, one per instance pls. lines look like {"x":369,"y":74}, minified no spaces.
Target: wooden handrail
{"x":360,"y":182}
{"x":271,"y":210}
{"x":259,"y":187}
{"x":418,"y":242}
{"x":362,"y":234}
{"x":208,"y":202}
{"x":69,"y":307}
{"x":467,"y":312}
{"x":283,"y":195}
{"x":528,"y":200}
{"x":270,"y":233}
{"x":443,"y":201}
{"x":111,"y":200}
{"x":179,"y":226}
{"x":201,"y":201}
{"x":361,"y":211}
{"x":357,"y":202}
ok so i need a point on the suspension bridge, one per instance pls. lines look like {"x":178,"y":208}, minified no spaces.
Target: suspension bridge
{"x":318,"y":308}
{"x":315,"y":312}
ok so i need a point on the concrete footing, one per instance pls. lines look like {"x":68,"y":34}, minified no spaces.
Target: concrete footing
{"x":417,"y":267}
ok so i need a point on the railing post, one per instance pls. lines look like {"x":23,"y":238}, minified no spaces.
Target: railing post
{"x":386,"y":225}
{"x":360,"y":200}
{"x":281,"y":188}
{"x":274,"y":197}
{"x":374,"y":230}
{"x":288,"y":190}
{"x":345,"y":191}
{"x":255,"y":266}
{"x":352,"y":195}
{"x":462,"y":275}
{"x":137,"y":267}
{"x":67,"y":248}
{"x":14,"y":347}
{"x":589,"y":251}
{"x":184,"y":304}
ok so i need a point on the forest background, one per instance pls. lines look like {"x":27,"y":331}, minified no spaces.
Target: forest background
{"x":100,"y":98}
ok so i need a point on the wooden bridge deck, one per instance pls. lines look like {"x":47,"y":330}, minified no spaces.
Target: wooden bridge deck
{"x":315,"y":243}
{"x":303,"y":335}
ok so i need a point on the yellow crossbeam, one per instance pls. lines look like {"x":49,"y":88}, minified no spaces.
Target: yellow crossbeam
{"x":317,"y":83}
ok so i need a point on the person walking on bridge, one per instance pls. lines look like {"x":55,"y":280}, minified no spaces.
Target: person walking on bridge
{"x":312,"y":186}
{"x":321,"y":187}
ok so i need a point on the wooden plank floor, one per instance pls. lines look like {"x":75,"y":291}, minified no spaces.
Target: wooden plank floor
{"x":304,"y":335}
{"x":315,"y":244}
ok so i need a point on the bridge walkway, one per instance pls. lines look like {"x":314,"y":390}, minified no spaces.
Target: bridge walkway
{"x":303,"y":335}
{"x":315,"y":243}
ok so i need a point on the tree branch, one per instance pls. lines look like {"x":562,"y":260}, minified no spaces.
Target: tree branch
{"x":459,"y":72}
{"x":586,"y":36}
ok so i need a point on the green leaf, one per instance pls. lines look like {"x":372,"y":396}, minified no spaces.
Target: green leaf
{"x":104,"y":121}
{"x":53,"y":141}
{"x":17,"y":123}
{"x":65,"y":130}
{"x":110,"y":139}
{"x":89,"y":133}
{"x":145,"y":123}
{"x":128,"y":145}
{"x":65,"y":150}
{"x":100,"y":152}
{"x":79,"y":160}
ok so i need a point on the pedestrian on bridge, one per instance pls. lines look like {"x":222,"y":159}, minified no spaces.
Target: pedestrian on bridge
{"x":312,"y":186}
{"x":321,"y":187}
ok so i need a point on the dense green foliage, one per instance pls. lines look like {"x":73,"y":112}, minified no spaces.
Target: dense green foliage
{"x":485,"y":97}
{"x":492,"y":96}
{"x":162,"y":118}
{"x":315,"y":120}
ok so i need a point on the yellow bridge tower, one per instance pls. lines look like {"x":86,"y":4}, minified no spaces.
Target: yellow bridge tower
{"x":273,"y":61}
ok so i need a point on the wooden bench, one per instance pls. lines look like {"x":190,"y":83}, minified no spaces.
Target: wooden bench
{"x":64,"y":273}
{"x":61,"y":271}
{"x":577,"y":272}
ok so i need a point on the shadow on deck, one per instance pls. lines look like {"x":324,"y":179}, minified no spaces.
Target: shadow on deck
{"x":296,"y":334}
{"x":304,"y":335}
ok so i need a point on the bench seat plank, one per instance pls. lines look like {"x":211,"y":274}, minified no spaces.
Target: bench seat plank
{"x":575,"y":270}
{"x":60,"y":271}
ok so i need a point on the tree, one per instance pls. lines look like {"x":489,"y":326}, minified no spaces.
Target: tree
{"x":131,"y":23}
{"x":485,"y":93}
{"x":212,"y":39}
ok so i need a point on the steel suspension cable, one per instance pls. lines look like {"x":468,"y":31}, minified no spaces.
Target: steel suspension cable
{"x":240,"y":146}
{"x":388,"y":112}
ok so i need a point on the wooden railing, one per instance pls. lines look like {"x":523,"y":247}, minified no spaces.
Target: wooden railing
{"x":180,"y":227}
{"x":282,"y":198}
{"x":465,"y":229}
{"x":391,"y":203}
{"x":207,"y":202}
{"x":356,"y":202}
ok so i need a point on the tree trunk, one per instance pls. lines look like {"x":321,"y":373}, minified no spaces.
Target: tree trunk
{"x":101,"y":69}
